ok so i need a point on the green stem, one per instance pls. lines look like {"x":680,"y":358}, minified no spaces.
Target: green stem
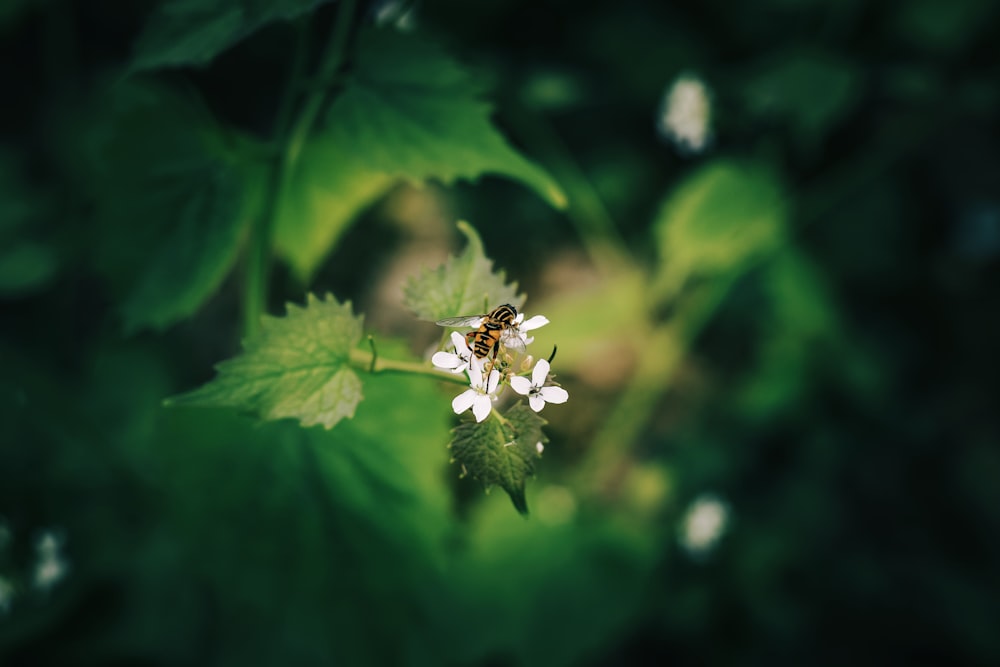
{"x":363,"y":361}
{"x":667,"y":345}
{"x":332,"y":61}
{"x":291,"y":138}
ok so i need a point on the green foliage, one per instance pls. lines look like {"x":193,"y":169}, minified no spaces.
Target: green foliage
{"x":297,"y":367}
{"x":555,"y":552}
{"x":720,"y":217}
{"x":27,"y":263}
{"x":408,"y":111}
{"x":326,"y":191}
{"x":501,"y":451}
{"x":174,"y":200}
{"x":356,"y":518}
{"x":464,"y":285}
{"x":192,"y":32}
{"x":810,"y":312}
{"x":808,"y":91}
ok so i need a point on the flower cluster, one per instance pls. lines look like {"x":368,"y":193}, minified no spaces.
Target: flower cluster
{"x":489,"y":377}
{"x":686,"y":115}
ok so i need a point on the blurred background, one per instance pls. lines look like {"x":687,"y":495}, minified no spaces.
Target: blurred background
{"x":773,"y":292}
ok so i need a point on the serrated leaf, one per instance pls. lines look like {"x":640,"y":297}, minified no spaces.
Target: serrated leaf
{"x":408,"y":112}
{"x":193,"y":32}
{"x":721,"y":216}
{"x":466,"y":284}
{"x":174,"y":202}
{"x":296,"y":366}
{"x":501,"y":454}
{"x":413,"y":112}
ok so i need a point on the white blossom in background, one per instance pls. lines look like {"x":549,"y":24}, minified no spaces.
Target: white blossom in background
{"x":686,"y":114}
{"x":480,"y":394}
{"x":457,"y":361}
{"x":536,"y":391}
{"x":396,"y":13}
{"x":703,"y":524}
{"x":51,"y":567}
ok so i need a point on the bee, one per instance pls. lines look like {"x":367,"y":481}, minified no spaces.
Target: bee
{"x":492,"y":328}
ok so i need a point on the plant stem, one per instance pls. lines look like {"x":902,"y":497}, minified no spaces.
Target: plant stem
{"x":612,"y":446}
{"x":290,"y":137}
{"x":363,"y":361}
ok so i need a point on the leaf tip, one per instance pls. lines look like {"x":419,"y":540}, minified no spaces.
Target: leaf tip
{"x":520,"y":502}
{"x":470,"y":234}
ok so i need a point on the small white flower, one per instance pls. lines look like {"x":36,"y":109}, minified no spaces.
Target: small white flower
{"x":686,"y":114}
{"x":480,"y":394}
{"x":536,"y":391}
{"x":51,"y":566}
{"x":457,"y":361}
{"x":704,"y":523}
{"x":523,"y":326}
{"x":539,"y":447}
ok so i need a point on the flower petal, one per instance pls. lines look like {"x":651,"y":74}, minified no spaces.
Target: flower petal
{"x":494,"y":380}
{"x":481,"y":407}
{"x":461,"y":346}
{"x":533,"y":323}
{"x":463,"y":401}
{"x":446,"y":360}
{"x":476,"y":379}
{"x":536,"y":402}
{"x":540,"y":373}
{"x":520,"y":384}
{"x":554,"y":394}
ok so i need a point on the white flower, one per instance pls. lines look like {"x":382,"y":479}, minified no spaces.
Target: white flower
{"x":51,"y":567}
{"x":480,"y":394}
{"x":522,"y":326}
{"x":457,"y":361}
{"x":685,"y":115}
{"x":538,"y":394}
{"x":704,"y":523}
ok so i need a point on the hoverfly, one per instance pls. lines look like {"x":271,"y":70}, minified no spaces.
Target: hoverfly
{"x":498,"y":324}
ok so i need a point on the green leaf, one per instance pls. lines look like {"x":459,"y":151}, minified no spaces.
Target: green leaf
{"x":25,"y":267}
{"x":296,"y":366}
{"x":324,"y":195}
{"x":414,"y":112}
{"x":193,"y":32}
{"x":174,"y":202}
{"x":808,"y":92}
{"x":362,"y":510}
{"x":719,"y":218}
{"x":27,"y":263}
{"x":408,"y":112}
{"x":501,"y":453}
{"x":464,"y":285}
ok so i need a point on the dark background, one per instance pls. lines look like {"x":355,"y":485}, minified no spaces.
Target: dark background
{"x":864,"y":506}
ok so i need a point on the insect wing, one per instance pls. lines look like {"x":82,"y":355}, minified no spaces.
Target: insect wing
{"x":461,"y":321}
{"x":512,"y":340}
